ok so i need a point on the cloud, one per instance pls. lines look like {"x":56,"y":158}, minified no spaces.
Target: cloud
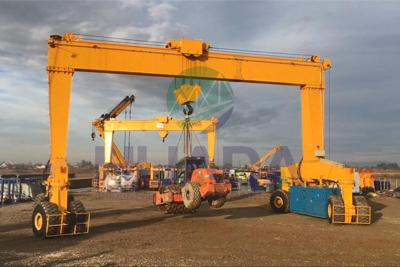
{"x":161,"y":11}
{"x":363,"y":84}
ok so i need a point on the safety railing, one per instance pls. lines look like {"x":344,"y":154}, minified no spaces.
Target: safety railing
{"x":62,"y":228}
{"x":362,"y":215}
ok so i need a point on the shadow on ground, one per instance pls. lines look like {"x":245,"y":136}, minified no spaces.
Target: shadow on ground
{"x":375,"y":208}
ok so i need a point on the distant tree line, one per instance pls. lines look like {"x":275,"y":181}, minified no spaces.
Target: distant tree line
{"x":85,"y":164}
{"x":388,"y":166}
{"x":29,"y":166}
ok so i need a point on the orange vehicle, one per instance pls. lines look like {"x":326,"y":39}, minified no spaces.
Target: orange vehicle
{"x":205,"y":184}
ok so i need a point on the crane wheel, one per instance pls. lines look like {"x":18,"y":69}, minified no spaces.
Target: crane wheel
{"x":217,"y":203}
{"x":191,"y":196}
{"x":280,"y":201}
{"x":39,"y":219}
{"x":361,"y":201}
{"x":40,"y":198}
{"x":75,"y":206}
{"x":335,"y":201}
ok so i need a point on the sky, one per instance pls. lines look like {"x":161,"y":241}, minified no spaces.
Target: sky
{"x":360,"y":38}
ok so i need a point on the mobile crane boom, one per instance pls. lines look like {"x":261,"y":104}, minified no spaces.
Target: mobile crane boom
{"x":256,"y":168}
{"x":117,"y":158}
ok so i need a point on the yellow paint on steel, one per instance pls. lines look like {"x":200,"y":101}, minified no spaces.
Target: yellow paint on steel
{"x":354,"y":218}
{"x":162,"y":124}
{"x":38,"y":221}
{"x":68,"y":54}
{"x":278,"y":201}
{"x":63,"y":225}
{"x":329,"y":210}
{"x":187,"y":93}
{"x":256,"y":168}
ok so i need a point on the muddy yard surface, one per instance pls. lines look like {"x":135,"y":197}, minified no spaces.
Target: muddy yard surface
{"x":126,"y":229}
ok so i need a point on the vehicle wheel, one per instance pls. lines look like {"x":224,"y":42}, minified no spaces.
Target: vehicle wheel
{"x":40,"y":198}
{"x":163,"y":209}
{"x":280,"y":201}
{"x":217,"y":203}
{"x":39,"y":219}
{"x":169,"y":208}
{"x":335,"y":201}
{"x":361,"y":201}
{"x":75,"y":206}
{"x":191,"y":196}
{"x":173,"y":188}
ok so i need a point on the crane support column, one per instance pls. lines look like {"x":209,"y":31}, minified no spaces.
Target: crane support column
{"x":59,"y":99}
{"x":312,"y":102}
{"x":108,"y":143}
{"x":211,"y":136}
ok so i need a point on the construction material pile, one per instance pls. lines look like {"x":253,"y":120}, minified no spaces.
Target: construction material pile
{"x":121,"y":183}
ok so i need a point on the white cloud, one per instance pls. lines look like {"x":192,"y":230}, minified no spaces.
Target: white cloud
{"x":161,"y":11}
{"x":361,"y":45}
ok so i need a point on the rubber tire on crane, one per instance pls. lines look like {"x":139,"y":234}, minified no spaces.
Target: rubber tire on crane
{"x":39,"y":219}
{"x":361,"y":201}
{"x":75,"y":206}
{"x":280,"y":201}
{"x":217,"y":203}
{"x":191,"y":196}
{"x":40,"y":198}
{"x":335,"y":200}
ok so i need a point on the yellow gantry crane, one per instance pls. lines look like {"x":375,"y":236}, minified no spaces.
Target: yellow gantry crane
{"x":163,"y":125}
{"x":193,"y":59}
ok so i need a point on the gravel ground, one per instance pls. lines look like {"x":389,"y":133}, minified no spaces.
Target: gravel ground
{"x":126,"y":229}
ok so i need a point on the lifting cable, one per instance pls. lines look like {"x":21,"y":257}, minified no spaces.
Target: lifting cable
{"x":104,"y":38}
{"x":125,"y":136}
{"x":204,"y":154}
{"x":176,"y":149}
{"x":129,"y":133}
{"x":162,"y":44}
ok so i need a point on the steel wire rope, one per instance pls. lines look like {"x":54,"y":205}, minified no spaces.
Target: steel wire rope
{"x":259,"y":52}
{"x":176,"y":149}
{"x":162,"y":44}
{"x":199,"y":143}
{"x":129,"y":134}
{"x":117,"y":38}
{"x":117,"y":42}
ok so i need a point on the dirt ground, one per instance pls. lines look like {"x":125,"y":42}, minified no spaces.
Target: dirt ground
{"x":126,"y":229}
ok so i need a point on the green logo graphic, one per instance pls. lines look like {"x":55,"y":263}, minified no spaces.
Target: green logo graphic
{"x":215,"y":99}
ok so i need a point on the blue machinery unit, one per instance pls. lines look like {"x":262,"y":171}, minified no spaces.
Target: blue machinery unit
{"x":311,"y":200}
